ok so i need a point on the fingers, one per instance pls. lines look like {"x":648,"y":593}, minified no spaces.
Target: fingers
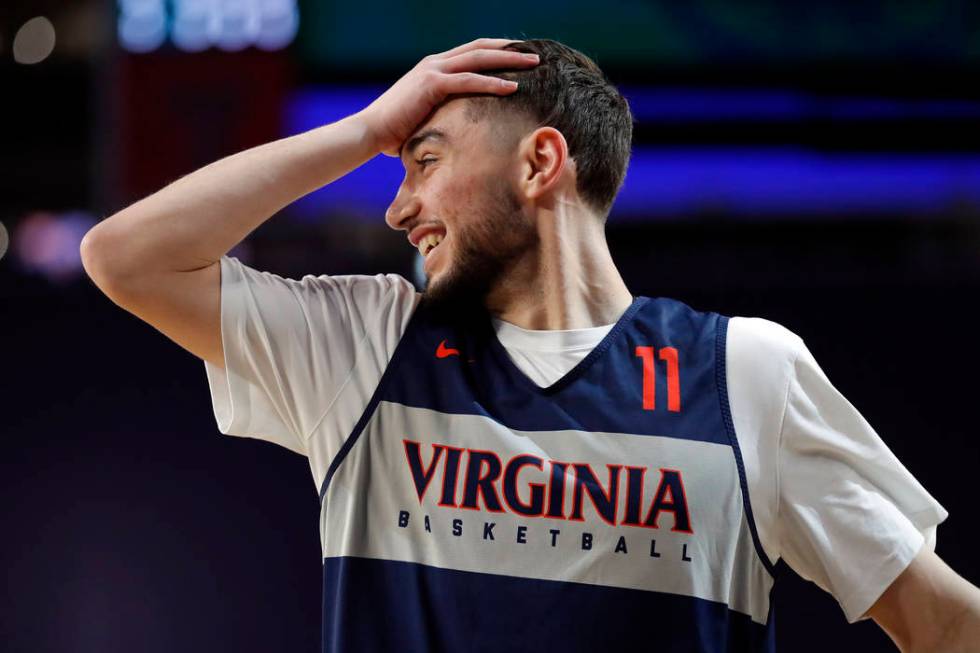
{"x":482,"y":59}
{"x":474,"y":45}
{"x":473,"y":83}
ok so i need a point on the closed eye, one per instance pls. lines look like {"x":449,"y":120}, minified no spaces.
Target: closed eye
{"x":426,"y":160}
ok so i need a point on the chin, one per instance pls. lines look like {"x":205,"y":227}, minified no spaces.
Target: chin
{"x":449,"y":293}
{"x":434,"y":279}
{"x":437,"y":289}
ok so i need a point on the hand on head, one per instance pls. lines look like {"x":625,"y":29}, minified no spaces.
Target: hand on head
{"x":393,"y":116}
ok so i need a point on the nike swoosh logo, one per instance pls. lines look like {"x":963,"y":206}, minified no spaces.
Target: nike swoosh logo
{"x":443,"y":351}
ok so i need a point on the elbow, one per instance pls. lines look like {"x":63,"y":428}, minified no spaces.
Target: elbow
{"x":86,"y":250}
{"x":94,"y":256}
{"x":101,"y":260}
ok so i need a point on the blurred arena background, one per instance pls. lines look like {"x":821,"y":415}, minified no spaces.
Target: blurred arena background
{"x":816,"y":164}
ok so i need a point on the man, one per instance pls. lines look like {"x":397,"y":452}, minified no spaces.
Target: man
{"x":526,"y":456}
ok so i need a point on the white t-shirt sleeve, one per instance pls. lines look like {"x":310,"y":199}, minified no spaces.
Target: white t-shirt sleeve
{"x":850,"y":516}
{"x":290,"y":345}
{"x":828,"y":495}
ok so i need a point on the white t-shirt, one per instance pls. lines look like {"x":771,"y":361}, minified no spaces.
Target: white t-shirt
{"x":303,"y":357}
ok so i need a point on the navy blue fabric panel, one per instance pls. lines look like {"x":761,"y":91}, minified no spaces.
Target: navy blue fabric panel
{"x":383,"y":605}
{"x":603,"y":393}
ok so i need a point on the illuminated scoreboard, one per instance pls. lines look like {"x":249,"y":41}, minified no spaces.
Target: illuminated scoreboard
{"x":389,"y":34}
{"x":195,"y":25}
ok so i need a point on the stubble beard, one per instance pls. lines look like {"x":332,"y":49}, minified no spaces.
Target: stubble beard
{"x":484,"y":252}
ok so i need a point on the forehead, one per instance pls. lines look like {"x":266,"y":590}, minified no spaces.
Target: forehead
{"x":447,"y":126}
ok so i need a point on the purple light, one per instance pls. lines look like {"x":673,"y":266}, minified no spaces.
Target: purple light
{"x":747,"y":182}
{"x":48,"y":243}
{"x":663,"y":105}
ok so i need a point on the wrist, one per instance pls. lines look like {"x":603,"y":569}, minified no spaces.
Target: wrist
{"x":363,"y":126}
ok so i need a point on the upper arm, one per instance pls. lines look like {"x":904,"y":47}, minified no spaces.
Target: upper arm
{"x":292,"y":346}
{"x":277,"y":351}
{"x":852,"y":515}
{"x":184,"y":306}
{"x":829,"y":497}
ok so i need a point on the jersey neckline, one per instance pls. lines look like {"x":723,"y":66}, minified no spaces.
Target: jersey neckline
{"x":506,"y":362}
{"x":553,"y":341}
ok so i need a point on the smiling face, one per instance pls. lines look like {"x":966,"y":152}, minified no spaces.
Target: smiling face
{"x":458,"y":195}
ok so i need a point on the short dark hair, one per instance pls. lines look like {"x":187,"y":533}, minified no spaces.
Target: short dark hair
{"x":566,"y":90}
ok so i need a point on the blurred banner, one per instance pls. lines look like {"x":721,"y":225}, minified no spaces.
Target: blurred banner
{"x":648,"y":34}
{"x":179,"y":113}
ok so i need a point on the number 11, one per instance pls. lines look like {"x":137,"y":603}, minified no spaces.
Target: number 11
{"x":668,"y":354}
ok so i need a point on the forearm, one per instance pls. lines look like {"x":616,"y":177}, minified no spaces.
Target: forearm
{"x":961,"y":633}
{"x":930,"y":608}
{"x":959,"y":625}
{"x":192,"y":222}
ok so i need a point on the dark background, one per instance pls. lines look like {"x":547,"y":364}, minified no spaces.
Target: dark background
{"x":131,"y":524}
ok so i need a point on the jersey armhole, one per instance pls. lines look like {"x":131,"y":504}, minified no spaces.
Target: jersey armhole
{"x":721,"y":343}
{"x":372,"y":403}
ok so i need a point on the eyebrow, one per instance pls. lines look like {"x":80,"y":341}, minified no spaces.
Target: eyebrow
{"x":418,"y":139}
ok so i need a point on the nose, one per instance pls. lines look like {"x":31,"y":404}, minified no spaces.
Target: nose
{"x":402,"y":208}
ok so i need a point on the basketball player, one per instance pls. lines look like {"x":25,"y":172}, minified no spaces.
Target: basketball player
{"x":526,"y":456}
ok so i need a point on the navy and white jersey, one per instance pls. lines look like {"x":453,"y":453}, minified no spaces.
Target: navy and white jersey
{"x":640,"y":499}
{"x":471,"y":510}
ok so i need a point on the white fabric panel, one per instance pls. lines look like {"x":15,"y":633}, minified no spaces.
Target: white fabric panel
{"x":360,"y":511}
{"x":546,"y":356}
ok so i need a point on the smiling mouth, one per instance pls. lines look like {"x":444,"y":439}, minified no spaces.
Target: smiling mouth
{"x":428,"y":243}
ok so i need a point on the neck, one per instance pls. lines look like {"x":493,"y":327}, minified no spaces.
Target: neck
{"x":568,"y":281}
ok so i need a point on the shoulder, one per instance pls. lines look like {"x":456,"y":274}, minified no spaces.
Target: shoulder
{"x":761,"y":350}
{"x":350,"y":298}
{"x":759,"y":358}
{"x":376,"y":307}
{"x":760,"y":361}
{"x":369,"y":296}
{"x":748,"y":339}
{"x":758,"y":336}
{"x":235,"y":270}
{"x":366,"y":290}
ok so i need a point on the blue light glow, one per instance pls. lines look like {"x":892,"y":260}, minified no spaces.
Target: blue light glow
{"x":668,"y":183}
{"x":664,"y":105}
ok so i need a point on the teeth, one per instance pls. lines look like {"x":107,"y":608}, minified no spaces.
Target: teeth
{"x":428,"y":242}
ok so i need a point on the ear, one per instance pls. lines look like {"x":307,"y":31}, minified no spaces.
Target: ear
{"x":543,"y":157}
